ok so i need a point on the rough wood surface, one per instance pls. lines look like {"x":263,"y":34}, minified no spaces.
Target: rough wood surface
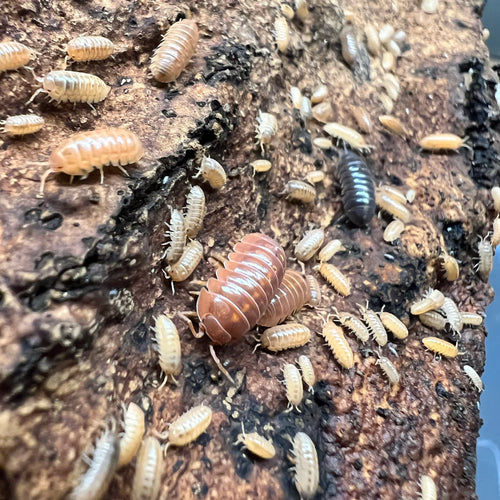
{"x":80,"y":269}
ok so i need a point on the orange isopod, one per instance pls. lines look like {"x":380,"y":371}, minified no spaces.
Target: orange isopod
{"x":335,"y":277}
{"x":440,"y":346}
{"x":90,"y":48}
{"x":442,"y":142}
{"x":175,"y":51}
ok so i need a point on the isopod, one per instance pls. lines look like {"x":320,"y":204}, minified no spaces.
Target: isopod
{"x":322,"y":112}
{"x":354,"y":324}
{"x":410,"y":195}
{"x":349,"y":44}
{"x":267,"y":127}
{"x":322,"y":142}
{"x":358,"y":191}
{"x":440,"y":346}
{"x":388,"y":61}
{"x":396,"y":209}
{"x":187,"y":263}
{"x":387,"y":102}
{"x":429,"y":491}
{"x":339,"y":346}
{"x":452,"y":314}
{"x":22,"y":124}
{"x":399,"y":37}
{"x":94,"y":483}
{"x":177,"y":235}
{"x":133,"y":425}
{"x":433,"y":319}
{"x":362,"y":119}
{"x":168,"y":346}
{"x":175,"y":51}
{"x":306,"y":466}
{"x":84,"y":151}
{"x":287,"y":11}
{"x":474,"y":376}
{"x":346,"y":134}
{"x":442,"y":142}
{"x":450,"y":266}
{"x":393,"y":124}
{"x":314,"y":290}
{"x":212,"y":172}
{"x":485,"y":264}
{"x":307,"y":371}
{"x":393,"y":193}
{"x":429,"y":6}
{"x":72,"y":86}
{"x":495,"y":238}
{"x":90,"y":48}
{"x":14,"y":55}
{"x":293,"y":384}
{"x":292,"y":294}
{"x":297,"y":190}
{"x":375,"y":326}
{"x":389,"y":369}
{"x":393,"y":231}
{"x":306,"y":110}
{"x":195,"y":211}
{"x":296,"y":97}
{"x":287,"y":336}
{"x":315,"y":176}
{"x":148,"y":470}
{"x":386,"y":33}
{"x":335,"y":277}
{"x":319,"y":94}
{"x":330,"y":249}
{"x":433,"y":299}
{"x":261,"y":166}
{"x":394,"y":325}
{"x":232,"y":304}
{"x":189,"y":426}
{"x":309,"y":244}
{"x":469,"y":318}
{"x":372,"y":40}
{"x":282,"y":34}
{"x":256,"y":444}
{"x":391,"y":85}
{"x":495,"y":195}
{"x":301,"y":9}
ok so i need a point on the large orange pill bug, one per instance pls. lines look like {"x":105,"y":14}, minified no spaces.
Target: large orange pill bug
{"x":175,"y":51}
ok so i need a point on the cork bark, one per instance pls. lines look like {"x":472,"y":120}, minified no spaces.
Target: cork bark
{"x":81,"y":271}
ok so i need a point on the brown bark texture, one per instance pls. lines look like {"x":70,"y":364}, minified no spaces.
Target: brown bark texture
{"x":81,"y":271}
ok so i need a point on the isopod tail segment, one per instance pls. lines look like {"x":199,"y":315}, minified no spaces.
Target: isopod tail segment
{"x":198,"y":335}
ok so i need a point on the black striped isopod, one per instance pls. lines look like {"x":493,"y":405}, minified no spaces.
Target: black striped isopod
{"x":358,"y":191}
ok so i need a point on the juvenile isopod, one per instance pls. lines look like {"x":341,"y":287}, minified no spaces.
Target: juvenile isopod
{"x":428,"y":486}
{"x":433,"y":299}
{"x":410,"y":195}
{"x":440,"y":346}
{"x":90,"y":48}
{"x":391,"y":85}
{"x":287,"y":336}
{"x":72,"y":86}
{"x":301,"y":9}
{"x":387,"y":102}
{"x":175,"y":51}
{"x":389,"y":369}
{"x":323,"y":142}
{"x":309,"y":244}
{"x":282,"y":34}
{"x":362,"y":119}
{"x":189,"y":426}
{"x":495,"y":238}
{"x":195,"y":211}
{"x":296,"y":97}
{"x":14,"y":55}
{"x":314,"y":290}
{"x":452,"y":314}
{"x":306,"y":110}
{"x":349,"y":44}
{"x":261,"y":166}
{"x":133,"y":426}
{"x":388,"y":61}
{"x":485,"y":264}
{"x":319,"y":94}
{"x":450,"y":266}
{"x":396,"y":209}
{"x":346,"y":134}
{"x":433,"y":319}
{"x":307,"y":371}
{"x":469,"y":318}
{"x":306,"y":466}
{"x":335,"y":277}
{"x":212,"y":172}
{"x":287,"y":11}
{"x":372,"y":40}
{"x":22,"y":124}
{"x":393,"y":231}
{"x":187,"y":263}
{"x":393,"y":124}
{"x":358,"y":191}
{"x":339,"y":346}
{"x":267,"y":127}
{"x":315,"y":176}
{"x":474,"y":376}
{"x":301,"y":191}
{"x":394,"y":325}
{"x":399,"y":37}
{"x":148,"y":470}
{"x":322,"y":112}
{"x":442,"y":142}
{"x":330,"y":249}
{"x":375,"y":325}
{"x":177,"y":236}
{"x":293,"y":384}
{"x":84,"y":151}
{"x":168,"y":346}
{"x":292,"y":294}
{"x":256,"y":444}
{"x":354,"y":324}
{"x":393,"y":193}
{"x":429,"y":6}
{"x":495,"y":195}
{"x":386,"y":33}
{"x":94,"y":483}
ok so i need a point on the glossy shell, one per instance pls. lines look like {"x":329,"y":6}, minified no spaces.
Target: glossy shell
{"x":441,"y":142}
{"x":339,"y":346}
{"x":329,"y":250}
{"x":346,"y":134}
{"x":212,"y":172}
{"x":393,"y":231}
{"x":189,"y":426}
{"x":177,"y":236}
{"x":354,"y":324}
{"x":195,"y":211}
{"x":335,"y":277}
{"x":394,"y":325}
{"x":287,"y":336}
{"x":474,"y":376}
{"x":396,"y":209}
{"x":90,"y":48}
{"x":314,"y":290}
{"x":440,"y":346}
{"x":293,"y":384}
{"x":148,"y":471}
{"x":389,"y":369}
{"x":188,"y":262}
{"x":307,"y":371}
{"x":300,"y":191}
{"x":168,"y":346}
{"x":14,"y":55}
{"x":22,"y":124}
{"x":309,"y":244}
{"x":133,"y":426}
{"x":452,"y":314}
{"x":257,"y":444}
{"x":306,"y":466}
{"x":428,"y":486}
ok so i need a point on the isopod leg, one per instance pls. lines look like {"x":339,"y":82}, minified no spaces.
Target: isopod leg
{"x":219,"y":364}
{"x":184,"y":316}
{"x":39,"y":91}
{"x":43,"y":179}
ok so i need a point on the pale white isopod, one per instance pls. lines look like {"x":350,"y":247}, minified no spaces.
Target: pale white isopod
{"x":309,"y":244}
{"x":195,"y":211}
{"x":474,"y":376}
{"x":177,"y":236}
{"x":148,"y":470}
{"x":306,"y":466}
{"x":307,"y":371}
{"x":330,"y":249}
{"x":133,"y":425}
{"x":428,"y":486}
{"x":168,"y":346}
{"x":293,"y":384}
{"x":389,"y":369}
